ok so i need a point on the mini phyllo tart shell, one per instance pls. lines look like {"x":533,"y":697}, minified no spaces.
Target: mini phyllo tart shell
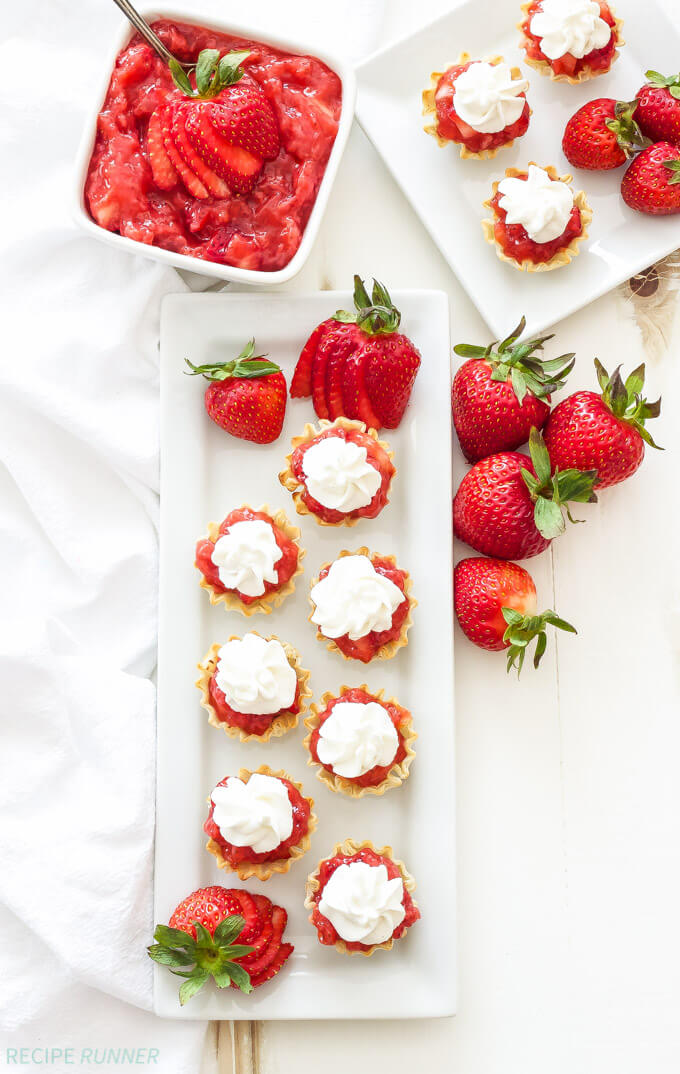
{"x":430,"y":109}
{"x":397,"y":772}
{"x":229,"y":598}
{"x":350,"y":849}
{"x":566,"y":253}
{"x":587,"y":72}
{"x":298,"y":489}
{"x":263,"y":870}
{"x":391,"y":647}
{"x":282,"y":721}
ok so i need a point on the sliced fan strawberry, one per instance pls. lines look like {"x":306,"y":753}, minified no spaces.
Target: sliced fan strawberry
{"x":283,"y":954}
{"x":355,"y":399}
{"x":239,"y":168}
{"x":188,"y":177}
{"x":164,"y":174}
{"x":319,"y":363}
{"x":244,"y":117}
{"x":301,"y":384}
{"x":211,"y":181}
{"x":247,"y":908}
{"x":264,"y":905}
{"x":341,"y":344}
{"x":257,"y":963}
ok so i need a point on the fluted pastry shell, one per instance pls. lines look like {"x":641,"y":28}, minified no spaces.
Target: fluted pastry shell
{"x":263,"y":870}
{"x":563,"y":256}
{"x":268,"y":601}
{"x":348,"y":848}
{"x":309,"y":433}
{"x":387,"y":651}
{"x":586,"y":73}
{"x":430,"y":109}
{"x":283,"y":722}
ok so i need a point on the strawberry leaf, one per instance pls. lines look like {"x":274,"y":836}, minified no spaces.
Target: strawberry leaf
{"x":511,"y":358}
{"x":521,"y":631}
{"x":548,"y":518}
{"x":625,"y":400}
{"x":192,"y":985}
{"x":229,"y":929}
{"x":206,"y":68}
{"x":180,"y":77}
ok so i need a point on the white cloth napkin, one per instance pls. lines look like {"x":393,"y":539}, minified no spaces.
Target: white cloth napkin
{"x":78,"y":555}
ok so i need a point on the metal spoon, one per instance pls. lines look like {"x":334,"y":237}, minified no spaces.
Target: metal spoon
{"x":142,"y":26}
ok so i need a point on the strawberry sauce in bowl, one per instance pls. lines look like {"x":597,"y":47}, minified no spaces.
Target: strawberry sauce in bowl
{"x":259,"y":232}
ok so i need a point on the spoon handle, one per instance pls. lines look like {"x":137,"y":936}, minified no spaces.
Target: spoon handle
{"x":141,"y":25}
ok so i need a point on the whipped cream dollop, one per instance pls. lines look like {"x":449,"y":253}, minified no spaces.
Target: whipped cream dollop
{"x":354,"y":599}
{"x":540,"y":204}
{"x":338,"y":474}
{"x":254,"y":675}
{"x":487,"y":97}
{"x":356,"y":737}
{"x":255,"y":814}
{"x":572,"y":26}
{"x":362,"y":903}
{"x":246,"y":557}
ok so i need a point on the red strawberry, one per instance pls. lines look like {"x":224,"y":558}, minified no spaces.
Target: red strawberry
{"x":499,"y":396}
{"x":658,"y":109}
{"x":510,"y":507}
{"x":362,"y":368}
{"x":652,"y":182}
{"x":247,"y":396}
{"x":602,"y":135}
{"x":200,"y":941}
{"x":495,"y":603}
{"x":603,"y":432}
{"x":217,"y":137}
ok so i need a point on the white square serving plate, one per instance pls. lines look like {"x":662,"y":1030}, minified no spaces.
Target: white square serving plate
{"x":342,"y":68}
{"x":205,"y":473}
{"x":447,"y":192}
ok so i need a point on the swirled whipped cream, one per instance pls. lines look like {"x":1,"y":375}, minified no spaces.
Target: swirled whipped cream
{"x":255,"y":814}
{"x":246,"y":557}
{"x":362,"y":903}
{"x":338,"y":474}
{"x":354,"y":599}
{"x":254,"y":675}
{"x":540,"y":204}
{"x":356,"y":737}
{"x":487,"y":97}
{"x":572,"y":26}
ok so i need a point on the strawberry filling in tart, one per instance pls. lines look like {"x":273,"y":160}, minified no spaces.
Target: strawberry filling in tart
{"x":570,"y":36}
{"x":534,"y":224}
{"x":481,"y":105}
{"x":257,"y":820}
{"x":361,"y":900}
{"x":253,"y":673}
{"x":251,"y":557}
{"x":361,"y":604}
{"x":343,"y":473}
{"x":356,"y":728}
{"x":223,"y":164}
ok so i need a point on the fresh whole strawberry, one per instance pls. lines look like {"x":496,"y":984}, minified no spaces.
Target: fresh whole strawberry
{"x":658,"y":108}
{"x":602,"y":135}
{"x":358,"y":365}
{"x":510,"y":506}
{"x":495,"y":603}
{"x":216,"y":137}
{"x":224,"y":933}
{"x":603,"y":432}
{"x":651,"y":184}
{"x":498,"y":396}
{"x":246,"y":397}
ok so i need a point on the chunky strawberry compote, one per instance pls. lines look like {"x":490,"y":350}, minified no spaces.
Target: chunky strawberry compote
{"x":234,"y":855}
{"x":516,"y":243}
{"x":251,"y":722}
{"x":452,"y":127}
{"x":327,"y":933}
{"x":596,"y":61}
{"x":329,"y":481}
{"x":260,"y":229}
{"x":284,"y":567}
{"x":401,"y":719}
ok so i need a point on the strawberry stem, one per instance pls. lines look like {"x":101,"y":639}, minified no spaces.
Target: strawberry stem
{"x":212,"y":73}
{"x":376,"y":315}
{"x":628,"y":134}
{"x":197,"y":960}
{"x":552,"y":492}
{"x":625,"y":400}
{"x":522,"y":629}
{"x":247,"y":366}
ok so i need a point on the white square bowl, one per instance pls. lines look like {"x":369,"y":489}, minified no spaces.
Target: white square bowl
{"x":341,"y":67}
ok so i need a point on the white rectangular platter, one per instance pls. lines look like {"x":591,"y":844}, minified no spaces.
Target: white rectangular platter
{"x":205,"y":473}
{"x":447,"y":192}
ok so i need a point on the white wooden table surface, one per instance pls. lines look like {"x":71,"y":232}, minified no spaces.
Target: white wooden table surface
{"x":568,"y":781}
